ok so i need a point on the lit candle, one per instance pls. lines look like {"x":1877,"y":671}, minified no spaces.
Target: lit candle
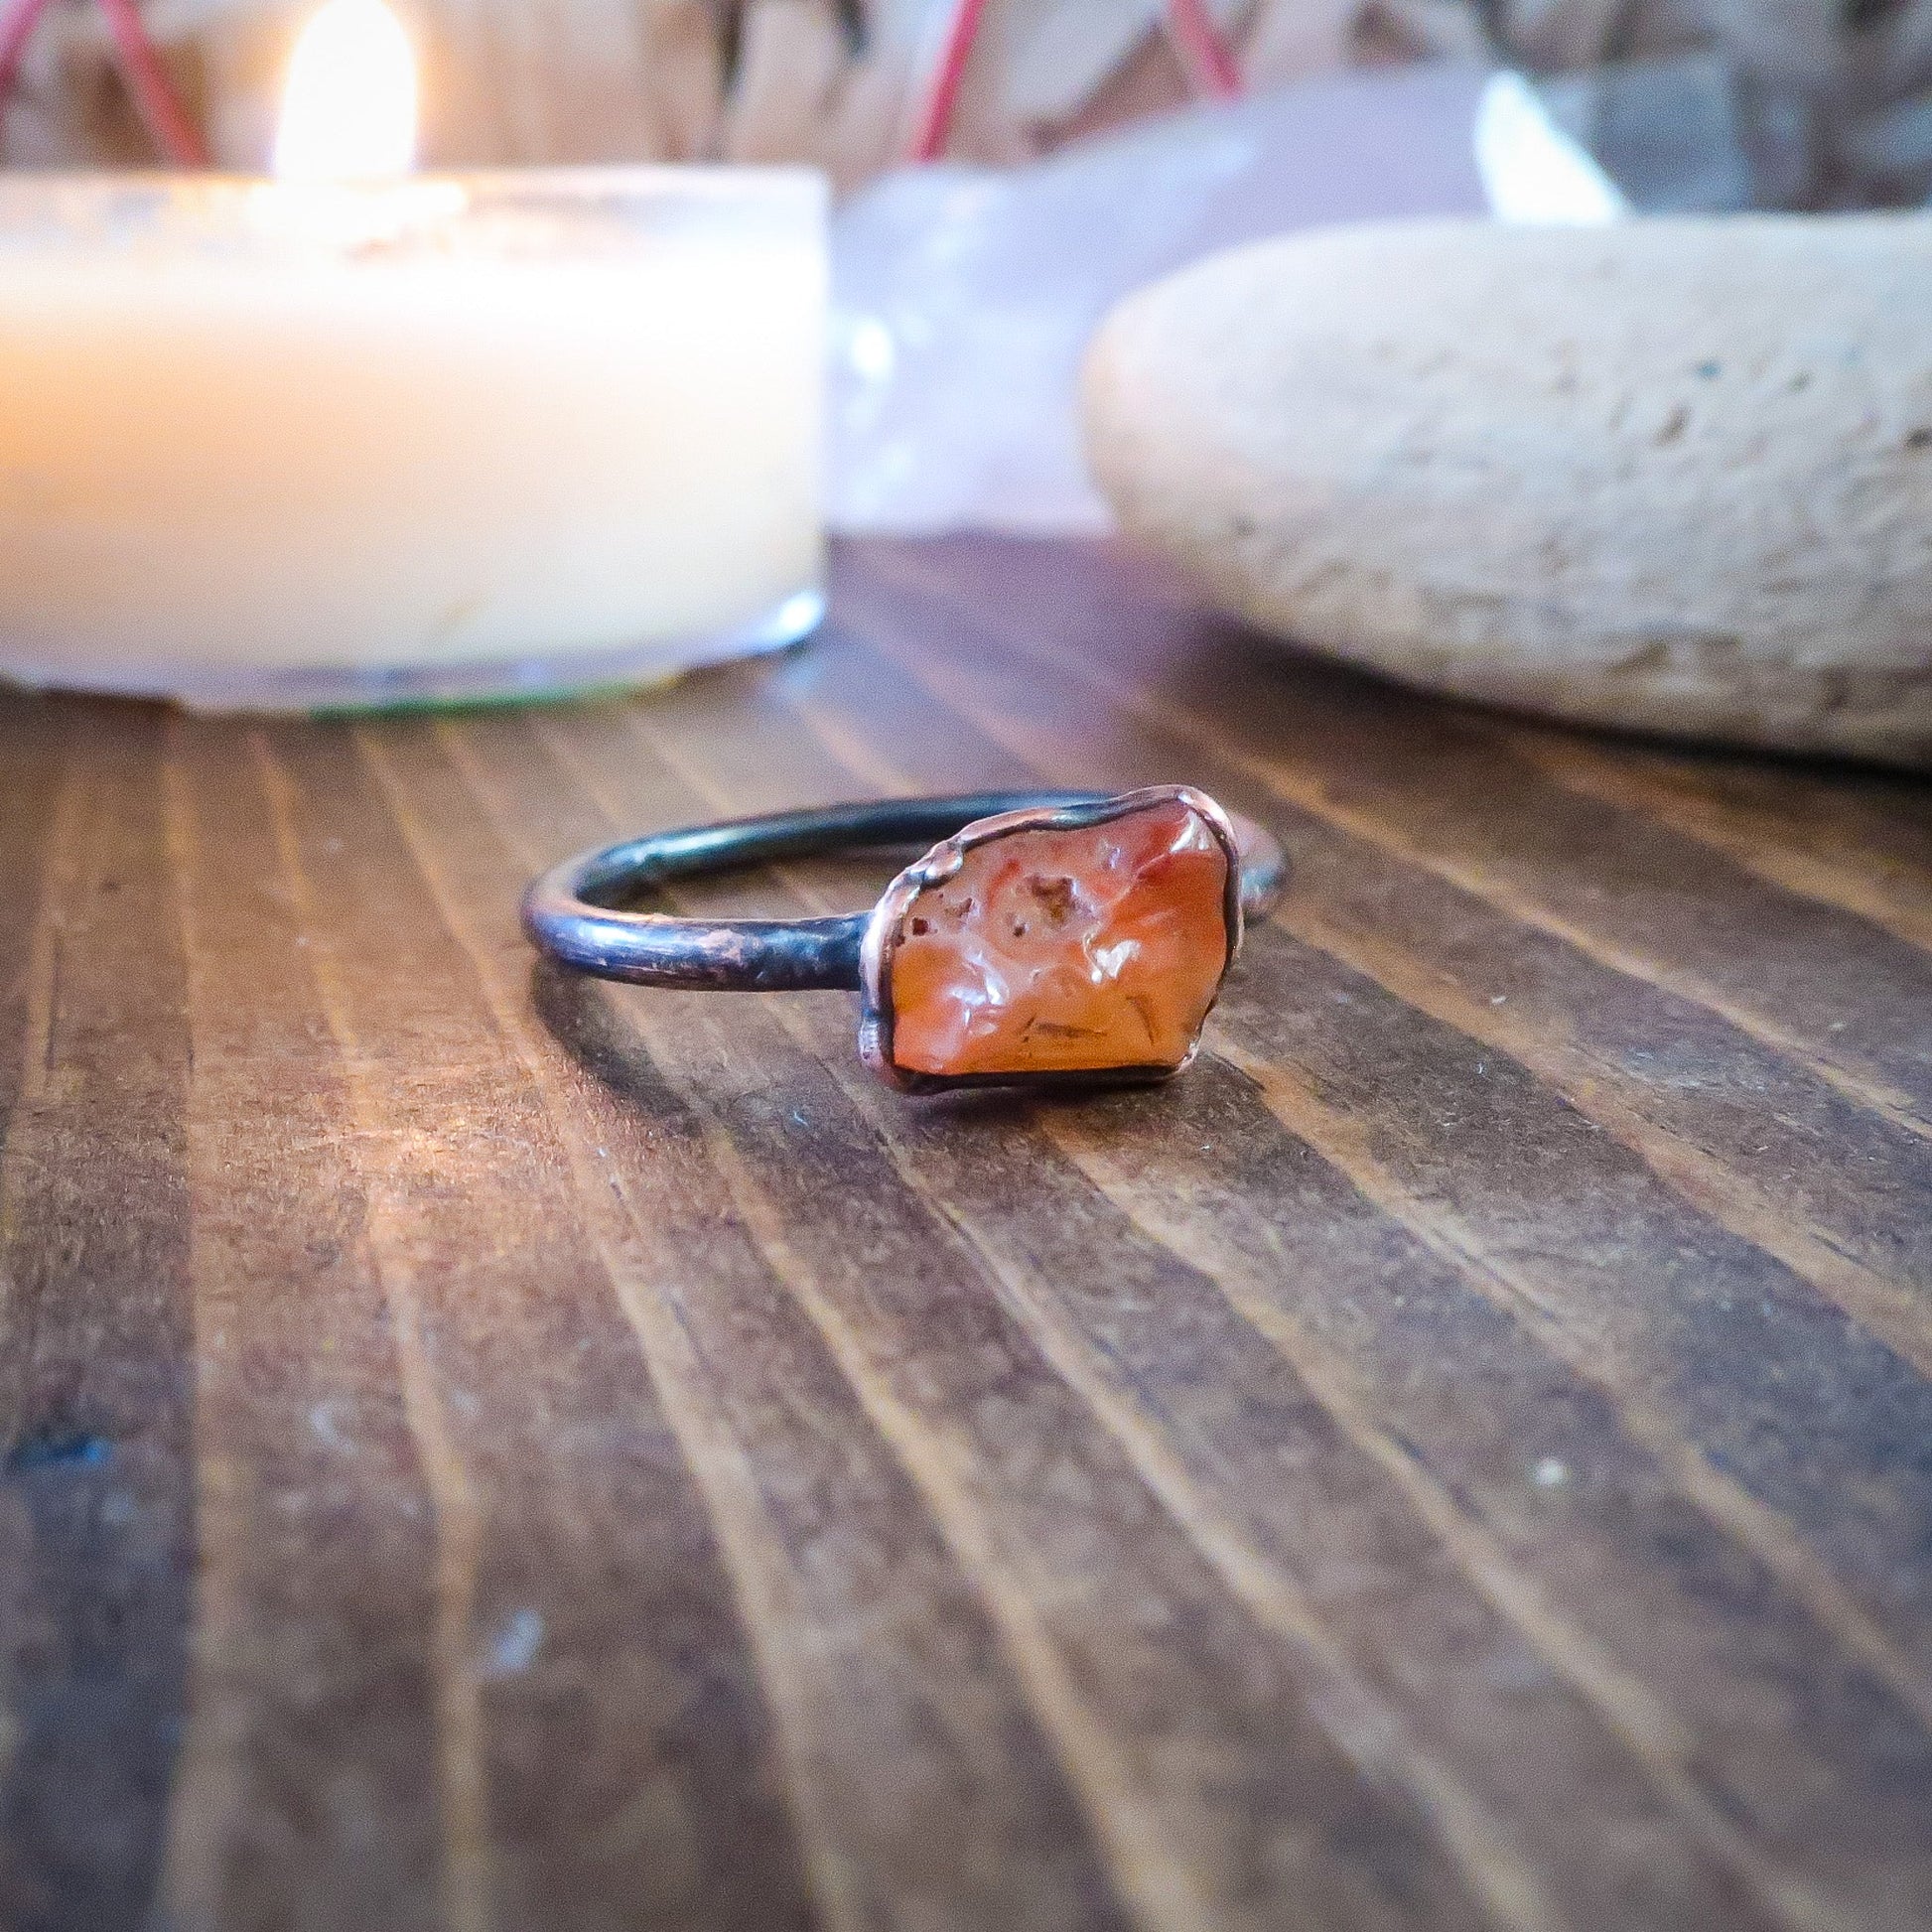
{"x":352,"y":435}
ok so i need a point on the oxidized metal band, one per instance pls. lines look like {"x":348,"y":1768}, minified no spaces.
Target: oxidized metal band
{"x":1066,"y":936}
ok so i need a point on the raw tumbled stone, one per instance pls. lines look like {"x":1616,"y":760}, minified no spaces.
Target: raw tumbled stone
{"x":1065,"y":951}
{"x":1674,"y":475}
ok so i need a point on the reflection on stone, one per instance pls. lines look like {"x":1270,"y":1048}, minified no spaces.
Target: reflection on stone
{"x":1065,"y":951}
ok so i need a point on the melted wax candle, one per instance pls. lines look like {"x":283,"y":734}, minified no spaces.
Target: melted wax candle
{"x":355,"y":431}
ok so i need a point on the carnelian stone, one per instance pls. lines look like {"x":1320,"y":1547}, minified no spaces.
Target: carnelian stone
{"x":1065,"y":951}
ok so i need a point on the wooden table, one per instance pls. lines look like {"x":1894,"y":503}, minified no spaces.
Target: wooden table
{"x":488,"y":1451}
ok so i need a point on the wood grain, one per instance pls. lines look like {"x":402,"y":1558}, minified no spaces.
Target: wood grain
{"x":487,"y":1450}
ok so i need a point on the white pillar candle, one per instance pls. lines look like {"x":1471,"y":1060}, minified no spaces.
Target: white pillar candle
{"x":286,"y":444}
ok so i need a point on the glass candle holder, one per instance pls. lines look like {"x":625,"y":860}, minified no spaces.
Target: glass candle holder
{"x":290,"y":447}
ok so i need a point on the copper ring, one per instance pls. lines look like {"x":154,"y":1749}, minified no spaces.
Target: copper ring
{"x":575,"y":912}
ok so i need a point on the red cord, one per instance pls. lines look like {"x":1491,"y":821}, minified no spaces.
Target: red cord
{"x":168,"y":122}
{"x":932,"y":125}
{"x":1211,"y":64}
{"x":15,"y":32}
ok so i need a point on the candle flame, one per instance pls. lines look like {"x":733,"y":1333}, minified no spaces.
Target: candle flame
{"x":348,"y":109}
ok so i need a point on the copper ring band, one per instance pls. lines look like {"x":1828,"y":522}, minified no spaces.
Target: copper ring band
{"x":576,"y":912}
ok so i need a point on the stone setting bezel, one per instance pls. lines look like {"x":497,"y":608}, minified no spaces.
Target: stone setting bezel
{"x":884,"y":932}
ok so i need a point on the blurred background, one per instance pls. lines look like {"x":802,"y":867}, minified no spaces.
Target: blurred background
{"x":1713,"y":103}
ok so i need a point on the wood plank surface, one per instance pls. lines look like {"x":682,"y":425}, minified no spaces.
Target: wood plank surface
{"x":489,"y":1451}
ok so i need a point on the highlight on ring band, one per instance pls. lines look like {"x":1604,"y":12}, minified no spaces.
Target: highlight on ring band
{"x":1045,"y":940}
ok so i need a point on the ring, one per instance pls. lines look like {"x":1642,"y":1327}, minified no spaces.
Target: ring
{"x":1046,"y":938}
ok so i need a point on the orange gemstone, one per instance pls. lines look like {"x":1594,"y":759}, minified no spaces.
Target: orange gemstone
{"x":1065,"y":951}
